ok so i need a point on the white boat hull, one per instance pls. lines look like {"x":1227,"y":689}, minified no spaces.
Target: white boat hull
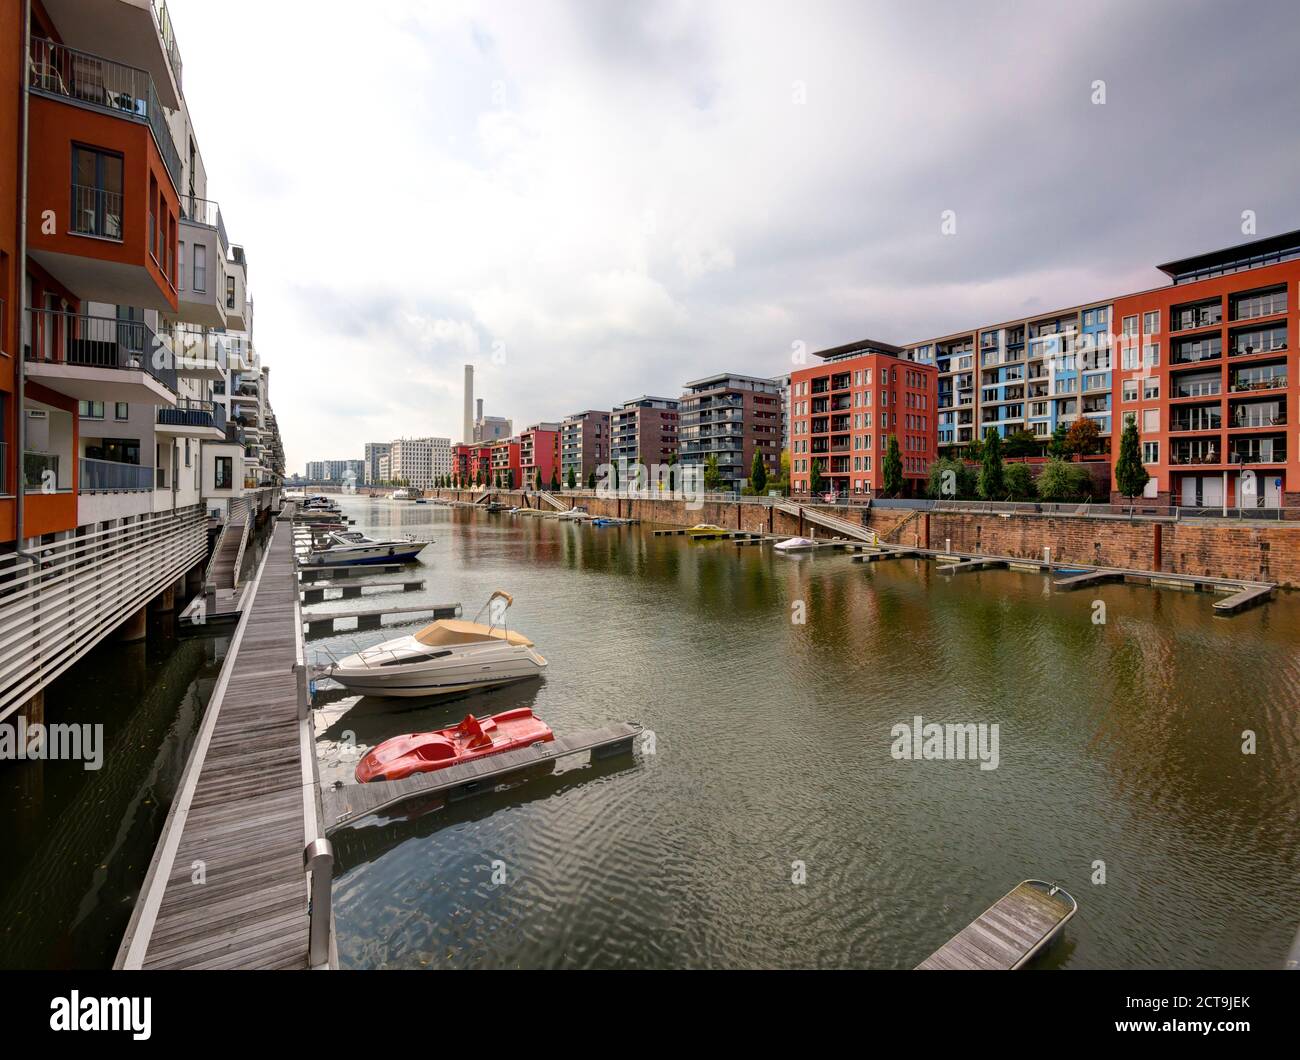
{"x":467,"y":672}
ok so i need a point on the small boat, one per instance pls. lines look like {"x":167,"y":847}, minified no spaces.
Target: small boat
{"x":404,"y":494}
{"x":447,"y":657}
{"x":423,"y":752}
{"x":602,"y":521}
{"x":794,"y":544}
{"x":352,"y":548}
{"x":705,"y":530}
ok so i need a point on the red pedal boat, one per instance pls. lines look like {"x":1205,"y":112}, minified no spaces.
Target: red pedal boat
{"x":423,"y":752}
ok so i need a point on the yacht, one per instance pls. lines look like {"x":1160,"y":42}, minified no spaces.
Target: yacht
{"x":446,"y":657}
{"x":404,"y":494}
{"x":353,"y":548}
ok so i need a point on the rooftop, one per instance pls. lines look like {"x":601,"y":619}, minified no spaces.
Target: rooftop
{"x":1258,"y":252}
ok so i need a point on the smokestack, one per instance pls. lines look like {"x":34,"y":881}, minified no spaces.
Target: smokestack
{"x":468,"y":425}
{"x":480,"y":411}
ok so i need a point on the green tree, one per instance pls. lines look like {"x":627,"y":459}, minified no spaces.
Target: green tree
{"x":1061,"y":480}
{"x":1019,"y":482}
{"x":1059,"y":446}
{"x":950,"y":479}
{"x":555,"y":482}
{"x":571,"y":479}
{"x":892,"y":481}
{"x":815,"y":479}
{"x":591,"y":481}
{"x":672,"y":472}
{"x":1130,"y":476}
{"x":758,"y":473}
{"x":992,"y":485}
{"x":783,"y":484}
{"x":1021,"y":443}
{"x":712,"y":475}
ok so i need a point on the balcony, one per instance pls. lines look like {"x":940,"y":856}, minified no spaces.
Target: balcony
{"x":1196,"y":350}
{"x":98,"y":358}
{"x":193,"y":419}
{"x":1248,"y":414}
{"x":1209,"y":418}
{"x":111,"y":476}
{"x":195,"y":355}
{"x":1258,"y":449}
{"x":239,"y":307}
{"x":201,"y":285}
{"x":1196,"y":386}
{"x":124,"y":91}
{"x":1251,"y":341}
{"x":1259,"y":377}
{"x":138,"y":33}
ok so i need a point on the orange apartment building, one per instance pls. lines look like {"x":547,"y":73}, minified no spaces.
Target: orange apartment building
{"x":844,"y":410}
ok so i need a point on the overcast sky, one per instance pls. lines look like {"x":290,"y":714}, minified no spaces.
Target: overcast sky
{"x":594,"y":200}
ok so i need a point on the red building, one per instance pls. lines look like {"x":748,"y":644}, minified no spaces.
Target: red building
{"x":539,"y":451}
{"x":844,"y":410}
{"x":503,"y":464}
{"x":1205,"y":369}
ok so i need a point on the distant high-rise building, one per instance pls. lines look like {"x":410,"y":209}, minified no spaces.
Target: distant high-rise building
{"x":374,"y":450}
{"x":419,"y":461}
{"x":467,"y":424}
{"x":729,"y":417}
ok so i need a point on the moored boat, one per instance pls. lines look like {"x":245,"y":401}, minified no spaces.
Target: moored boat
{"x":705,"y":530}
{"x":353,"y":548}
{"x":473,"y":738}
{"x":794,"y":544}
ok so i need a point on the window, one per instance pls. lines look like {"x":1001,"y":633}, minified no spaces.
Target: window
{"x":223,"y":473}
{"x":1131,"y":325}
{"x":230,"y":292}
{"x":1151,"y":323}
{"x":201,"y":272}
{"x":1150,"y":389}
{"x":1129,"y":357}
{"x":1153,"y":354}
{"x":1150,"y":421}
{"x":1130,"y":390}
{"x":96,"y":193}
{"x":1150,"y":452}
{"x":180,"y":259}
{"x":91,"y":410}
{"x":120,"y":410}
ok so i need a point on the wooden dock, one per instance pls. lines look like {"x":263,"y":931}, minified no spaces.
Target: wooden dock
{"x":318,"y":622}
{"x":349,"y":803}
{"x":1009,"y":933}
{"x":317,"y":571}
{"x":314,"y":592}
{"x":1247,"y":597}
{"x":1092,"y":577}
{"x":971,"y":564}
{"x":227,"y":887}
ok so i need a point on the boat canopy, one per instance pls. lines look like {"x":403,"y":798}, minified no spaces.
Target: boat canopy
{"x":451,"y":631}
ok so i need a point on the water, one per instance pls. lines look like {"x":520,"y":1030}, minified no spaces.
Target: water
{"x":1120,"y":744}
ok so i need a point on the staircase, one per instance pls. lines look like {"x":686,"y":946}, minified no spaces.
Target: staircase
{"x":484,"y":497}
{"x":833,"y":523}
{"x":553,"y":501}
{"x":223,"y":568}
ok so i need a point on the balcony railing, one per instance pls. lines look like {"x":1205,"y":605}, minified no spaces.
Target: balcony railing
{"x":35,"y":468}
{"x":99,"y":342}
{"x":1268,"y":414}
{"x":60,"y":71}
{"x":207,"y":213}
{"x":1243,"y":382}
{"x":96,"y":212}
{"x":189,"y":412}
{"x":168,"y":35}
{"x":111,"y":476}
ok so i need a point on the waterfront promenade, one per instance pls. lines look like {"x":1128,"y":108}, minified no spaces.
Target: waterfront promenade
{"x":227,"y":886}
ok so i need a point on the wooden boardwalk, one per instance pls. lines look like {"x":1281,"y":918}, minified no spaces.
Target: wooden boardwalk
{"x":351,"y":802}
{"x":227,"y":887}
{"x":321,"y":622}
{"x":1008,"y":933}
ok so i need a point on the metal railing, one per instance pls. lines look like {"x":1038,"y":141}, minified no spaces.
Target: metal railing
{"x":35,"y":468}
{"x":125,"y":91}
{"x":207,"y":213}
{"x":163,"y":20}
{"x":99,"y":342}
{"x":189,"y":412}
{"x":96,"y":212}
{"x":111,"y":476}
{"x":192,"y":350}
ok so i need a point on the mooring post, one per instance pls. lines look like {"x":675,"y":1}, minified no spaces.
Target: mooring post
{"x":318,"y":862}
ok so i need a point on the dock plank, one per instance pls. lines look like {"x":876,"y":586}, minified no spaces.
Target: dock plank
{"x":1009,"y":933}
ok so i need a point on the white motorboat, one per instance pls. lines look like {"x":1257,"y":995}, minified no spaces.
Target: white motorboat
{"x":447,"y":657}
{"x":404,"y":494}
{"x":794,"y":544}
{"x":352,"y":548}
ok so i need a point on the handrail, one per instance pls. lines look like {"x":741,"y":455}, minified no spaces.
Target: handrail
{"x":99,"y":342}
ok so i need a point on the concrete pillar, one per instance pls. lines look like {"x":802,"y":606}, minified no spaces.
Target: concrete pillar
{"x":925,"y":530}
{"x":135,"y":627}
{"x":1157,"y":546}
{"x":165,"y":600}
{"x":34,"y":709}
{"x":194,"y":580}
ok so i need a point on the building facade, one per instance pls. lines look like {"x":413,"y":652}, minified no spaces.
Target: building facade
{"x":584,"y":445}
{"x":539,"y":454}
{"x":374,"y":450}
{"x":418,"y":462}
{"x":844,"y":411}
{"x":644,"y":430}
{"x":730,"y":417}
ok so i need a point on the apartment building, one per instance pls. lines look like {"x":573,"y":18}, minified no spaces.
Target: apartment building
{"x":1206,"y":371}
{"x":116,"y":435}
{"x":845,"y":409}
{"x":374,"y":450}
{"x":417,"y":462}
{"x":341,"y":471}
{"x":584,"y":445}
{"x":539,"y":454}
{"x":730,"y":417}
{"x":645,"y":430}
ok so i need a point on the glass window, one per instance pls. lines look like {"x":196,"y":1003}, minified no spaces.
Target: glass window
{"x":201,"y":270}
{"x":96,"y":193}
{"x":1151,"y":322}
{"x":1150,"y":452}
{"x":120,"y":410}
{"x":91,"y":410}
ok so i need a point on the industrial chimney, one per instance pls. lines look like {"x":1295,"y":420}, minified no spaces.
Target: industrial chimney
{"x":468,"y":425}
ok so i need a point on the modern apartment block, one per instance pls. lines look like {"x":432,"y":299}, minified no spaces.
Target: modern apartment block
{"x":374,"y":450}
{"x":539,"y":453}
{"x":844,"y":410}
{"x":644,"y":429}
{"x":584,"y":445}
{"x":134,"y":412}
{"x":1206,"y":370}
{"x":730,"y":417}
{"x":417,"y":462}
{"x":341,"y":471}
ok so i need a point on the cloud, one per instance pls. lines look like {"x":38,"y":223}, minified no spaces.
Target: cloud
{"x":615,"y":198}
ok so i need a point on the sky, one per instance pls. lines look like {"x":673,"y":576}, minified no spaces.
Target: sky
{"x":591,"y":200}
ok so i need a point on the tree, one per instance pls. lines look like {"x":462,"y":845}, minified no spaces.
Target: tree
{"x":892,"y":481}
{"x":555,"y":482}
{"x":1130,"y":476}
{"x":1059,"y":446}
{"x":591,"y":481}
{"x":712,"y":475}
{"x":815,"y":479}
{"x":571,"y":479}
{"x":783,"y":484}
{"x":992,"y":480}
{"x":950,"y":479}
{"x":672,"y":472}
{"x":1021,"y":443}
{"x":1083,"y":437}
{"x":1061,"y":480}
{"x":1019,"y":481}
{"x":758,"y":473}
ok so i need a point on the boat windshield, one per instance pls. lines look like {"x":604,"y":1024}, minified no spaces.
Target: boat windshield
{"x":451,"y":631}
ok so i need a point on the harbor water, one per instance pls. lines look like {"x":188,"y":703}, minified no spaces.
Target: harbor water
{"x":768,"y":823}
